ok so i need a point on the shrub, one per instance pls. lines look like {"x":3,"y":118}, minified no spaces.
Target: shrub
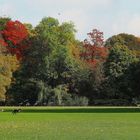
{"x":59,"y":96}
{"x":79,"y":101}
{"x":110,"y":102}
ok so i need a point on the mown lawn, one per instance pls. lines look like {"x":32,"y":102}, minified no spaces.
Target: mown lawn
{"x":70,"y":124}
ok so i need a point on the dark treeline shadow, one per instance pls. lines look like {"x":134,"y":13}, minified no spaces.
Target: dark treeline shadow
{"x":79,"y":110}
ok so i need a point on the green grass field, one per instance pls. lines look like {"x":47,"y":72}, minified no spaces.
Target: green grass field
{"x":46,"y":123}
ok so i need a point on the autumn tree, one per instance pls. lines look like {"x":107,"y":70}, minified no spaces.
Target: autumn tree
{"x":93,"y":55}
{"x":12,"y":36}
{"x":94,"y":51}
{"x":8,"y":64}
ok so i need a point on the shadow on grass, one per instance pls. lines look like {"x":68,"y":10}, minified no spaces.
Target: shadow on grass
{"x":78,"y":110}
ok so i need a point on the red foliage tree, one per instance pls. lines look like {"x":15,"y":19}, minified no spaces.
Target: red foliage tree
{"x":15,"y":32}
{"x":14,"y":35}
{"x":94,"y":51}
{"x":3,"y":43}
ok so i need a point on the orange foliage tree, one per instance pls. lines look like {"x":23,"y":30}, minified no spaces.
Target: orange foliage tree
{"x":94,"y":51}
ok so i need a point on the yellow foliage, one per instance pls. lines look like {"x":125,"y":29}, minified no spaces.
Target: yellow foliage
{"x":8,"y":64}
{"x":74,"y":50}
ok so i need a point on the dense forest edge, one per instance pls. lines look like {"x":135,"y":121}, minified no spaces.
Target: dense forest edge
{"x":46,"y":65}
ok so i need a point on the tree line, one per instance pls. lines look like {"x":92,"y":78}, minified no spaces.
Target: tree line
{"x":47,"y":65}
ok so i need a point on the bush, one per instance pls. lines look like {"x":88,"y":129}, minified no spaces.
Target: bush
{"x":59,"y":96}
{"x":79,"y":101}
{"x":110,"y":102}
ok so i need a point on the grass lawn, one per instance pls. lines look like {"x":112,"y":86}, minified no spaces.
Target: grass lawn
{"x":46,"y":123}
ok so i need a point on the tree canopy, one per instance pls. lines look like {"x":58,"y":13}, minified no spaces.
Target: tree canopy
{"x":47,"y":65}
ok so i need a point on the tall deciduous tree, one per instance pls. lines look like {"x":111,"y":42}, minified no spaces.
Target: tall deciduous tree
{"x":94,"y":51}
{"x":117,"y":66}
{"x":12,"y":35}
{"x":52,"y":60}
{"x":94,"y":55}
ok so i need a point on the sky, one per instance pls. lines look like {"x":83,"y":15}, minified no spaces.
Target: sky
{"x":109,"y":16}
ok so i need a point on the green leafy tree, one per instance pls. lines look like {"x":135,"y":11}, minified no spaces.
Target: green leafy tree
{"x":131,"y":41}
{"x":117,"y":71}
{"x":50,"y":61}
